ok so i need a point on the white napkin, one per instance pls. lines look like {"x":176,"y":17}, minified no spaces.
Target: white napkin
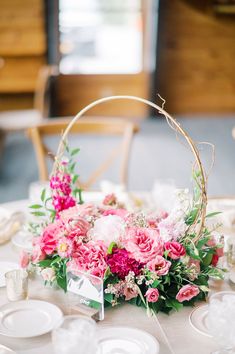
{"x":10,"y":223}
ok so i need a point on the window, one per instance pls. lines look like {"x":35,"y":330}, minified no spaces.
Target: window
{"x":101,"y":36}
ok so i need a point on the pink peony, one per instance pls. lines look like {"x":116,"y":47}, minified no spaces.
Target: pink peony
{"x":143,"y":244}
{"x":108,"y":229}
{"x":130,"y":292}
{"x":159,"y":265}
{"x":121,"y":264}
{"x":123,"y":213}
{"x":24,"y":259}
{"x":152,"y":295}
{"x":48,"y":240}
{"x":90,"y":257}
{"x":176,"y":250}
{"x":187,"y":292}
{"x":65,"y":247}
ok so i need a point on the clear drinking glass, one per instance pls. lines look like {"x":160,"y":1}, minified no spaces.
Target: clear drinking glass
{"x":221,"y":321}
{"x":17,"y":284}
{"x":75,"y":335}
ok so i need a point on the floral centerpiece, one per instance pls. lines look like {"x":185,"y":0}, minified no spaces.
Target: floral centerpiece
{"x":148,"y":259}
{"x":156,"y":259}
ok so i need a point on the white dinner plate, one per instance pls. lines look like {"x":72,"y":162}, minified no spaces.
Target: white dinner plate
{"x":126,"y":340}
{"x":5,"y":350}
{"x":198,"y":320}
{"x":4,"y":268}
{"x":23,"y":240}
{"x":30,"y":318}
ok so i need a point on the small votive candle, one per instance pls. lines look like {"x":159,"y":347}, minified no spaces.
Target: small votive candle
{"x":17,"y":284}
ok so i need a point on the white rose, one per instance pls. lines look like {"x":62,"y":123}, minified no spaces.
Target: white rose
{"x":108,"y":229}
{"x":48,"y":274}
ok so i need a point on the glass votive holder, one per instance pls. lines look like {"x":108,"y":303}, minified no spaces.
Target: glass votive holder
{"x":75,"y":334}
{"x":231,"y":252}
{"x":17,"y":285}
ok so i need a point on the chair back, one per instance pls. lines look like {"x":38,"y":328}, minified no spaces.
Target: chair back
{"x":90,"y":126}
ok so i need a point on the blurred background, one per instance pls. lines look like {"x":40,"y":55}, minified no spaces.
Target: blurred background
{"x":57,"y":56}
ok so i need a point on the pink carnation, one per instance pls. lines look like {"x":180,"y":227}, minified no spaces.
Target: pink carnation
{"x":187,"y":292}
{"x":159,"y":265}
{"x":143,"y":244}
{"x":90,"y":257}
{"x":123,"y":213}
{"x":176,"y":250}
{"x":48,"y":240}
{"x":121,"y":263}
{"x":83,"y":210}
{"x":152,"y":295}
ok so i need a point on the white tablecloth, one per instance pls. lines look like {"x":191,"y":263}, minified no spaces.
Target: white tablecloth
{"x":173,"y":332}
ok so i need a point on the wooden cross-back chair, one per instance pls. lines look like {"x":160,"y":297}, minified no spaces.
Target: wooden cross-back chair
{"x":89,"y":126}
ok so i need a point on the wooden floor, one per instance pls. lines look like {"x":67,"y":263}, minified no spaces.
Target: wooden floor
{"x":156,"y":154}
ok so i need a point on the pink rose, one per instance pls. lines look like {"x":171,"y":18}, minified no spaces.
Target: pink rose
{"x":24,"y":259}
{"x":123,"y":213}
{"x":152,"y":295}
{"x":48,"y":274}
{"x":143,"y":244}
{"x":110,"y":199}
{"x":159,"y":265}
{"x":90,"y":257}
{"x":176,"y":250}
{"x":187,"y":292}
{"x":130,"y":293}
{"x":48,"y":240}
{"x":38,"y":255}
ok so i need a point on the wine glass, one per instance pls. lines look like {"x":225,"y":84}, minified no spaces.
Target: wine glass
{"x":221,"y":321}
{"x":75,"y":335}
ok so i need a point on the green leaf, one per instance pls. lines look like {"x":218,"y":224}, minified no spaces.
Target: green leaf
{"x":75,"y":151}
{"x":75,"y":178}
{"x":202,"y":242}
{"x":108,"y":297}
{"x":111,"y":246}
{"x":45,"y":263}
{"x":38,"y":213}
{"x":207,"y":258}
{"x":43,"y":194}
{"x":191,"y":217}
{"x":210,"y":215}
{"x":62,"y":282}
{"x":173,"y":303}
{"x":35,"y":206}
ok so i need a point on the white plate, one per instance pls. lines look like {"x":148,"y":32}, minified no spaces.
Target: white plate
{"x":198,"y":320}
{"x":30,"y":318}
{"x":23,"y":240}
{"x":5,"y":350}
{"x":126,"y":340}
{"x":4,"y":268}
